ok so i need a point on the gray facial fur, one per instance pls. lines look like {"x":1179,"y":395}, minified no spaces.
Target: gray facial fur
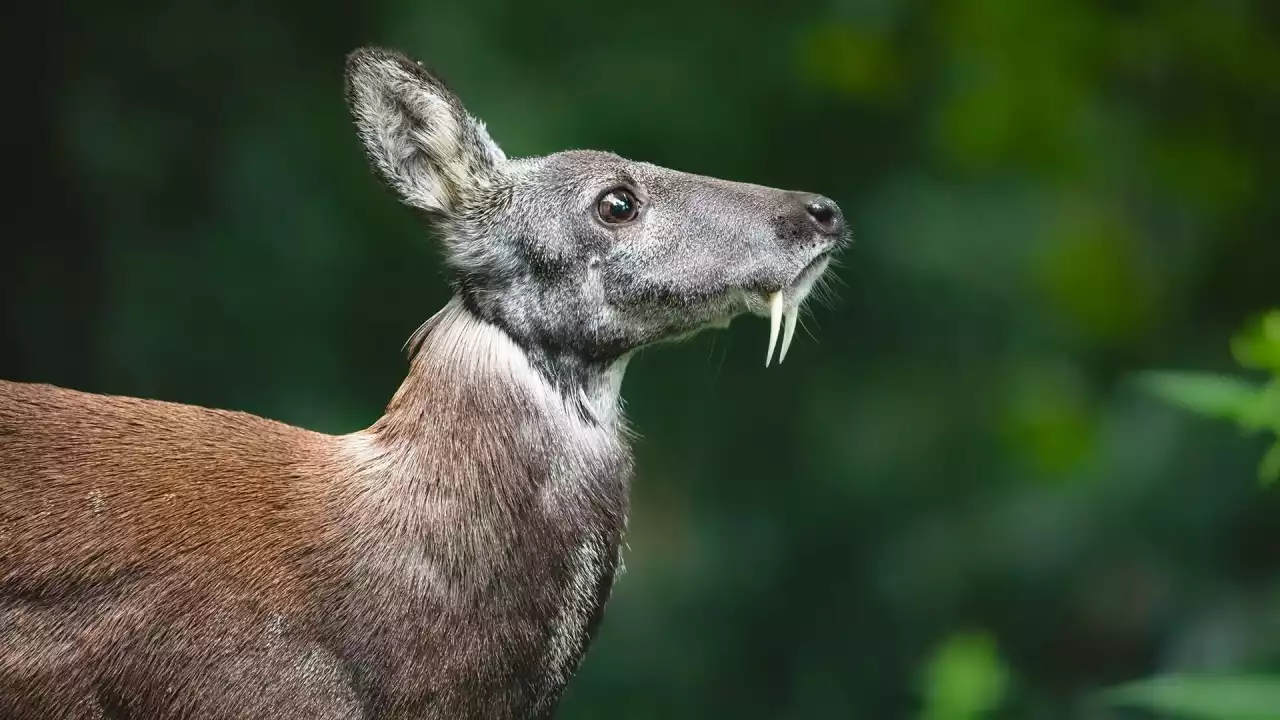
{"x":529,"y":252}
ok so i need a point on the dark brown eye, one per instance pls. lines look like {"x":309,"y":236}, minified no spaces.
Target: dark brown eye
{"x":618,"y":206}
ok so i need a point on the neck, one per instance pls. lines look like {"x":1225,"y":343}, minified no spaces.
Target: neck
{"x":484,"y":474}
{"x":459,"y":359}
{"x":476,"y":430}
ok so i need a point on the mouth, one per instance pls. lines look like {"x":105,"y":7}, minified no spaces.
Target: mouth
{"x":784,"y":305}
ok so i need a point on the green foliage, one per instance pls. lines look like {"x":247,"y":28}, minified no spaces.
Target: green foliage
{"x":1240,"y":697}
{"x":965,"y":679}
{"x":1259,"y":346}
{"x":1254,"y":407}
{"x":1213,"y":395}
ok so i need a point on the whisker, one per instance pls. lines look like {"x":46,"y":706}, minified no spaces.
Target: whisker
{"x":719,"y":367}
{"x":804,"y":326}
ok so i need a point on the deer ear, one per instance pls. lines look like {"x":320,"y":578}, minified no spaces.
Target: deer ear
{"x":420,"y":139}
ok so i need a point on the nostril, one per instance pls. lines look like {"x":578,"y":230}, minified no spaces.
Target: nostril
{"x":824,"y":214}
{"x":820,"y":212}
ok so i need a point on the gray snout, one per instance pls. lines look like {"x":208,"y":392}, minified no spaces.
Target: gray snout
{"x":823,"y":213}
{"x":807,"y":220}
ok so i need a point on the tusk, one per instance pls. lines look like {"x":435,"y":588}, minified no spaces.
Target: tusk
{"x":788,"y":331}
{"x":775,"y":319}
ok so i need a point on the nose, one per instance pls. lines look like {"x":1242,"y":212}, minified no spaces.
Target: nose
{"x":824,"y":214}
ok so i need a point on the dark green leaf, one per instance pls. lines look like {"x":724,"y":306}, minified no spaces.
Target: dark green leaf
{"x":1241,"y":697}
{"x":1258,"y":346}
{"x":965,"y":679}
{"x":1269,"y":470}
{"x":1208,"y":394}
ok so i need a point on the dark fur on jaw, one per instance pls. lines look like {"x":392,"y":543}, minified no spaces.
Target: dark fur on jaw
{"x":452,"y":560}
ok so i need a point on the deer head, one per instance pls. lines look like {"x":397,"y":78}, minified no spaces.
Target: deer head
{"x":583,"y":257}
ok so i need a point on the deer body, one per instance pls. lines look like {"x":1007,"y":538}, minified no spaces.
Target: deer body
{"x":325,"y":574}
{"x":453,"y":560}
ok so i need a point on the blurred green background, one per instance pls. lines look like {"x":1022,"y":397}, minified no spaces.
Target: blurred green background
{"x":953,"y":497}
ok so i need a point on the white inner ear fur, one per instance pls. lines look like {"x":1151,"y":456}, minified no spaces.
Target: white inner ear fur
{"x":428,"y":147}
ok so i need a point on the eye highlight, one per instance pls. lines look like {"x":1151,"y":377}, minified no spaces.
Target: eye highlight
{"x":618,"y":206}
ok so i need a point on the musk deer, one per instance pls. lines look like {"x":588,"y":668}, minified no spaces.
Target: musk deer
{"x":453,"y":559}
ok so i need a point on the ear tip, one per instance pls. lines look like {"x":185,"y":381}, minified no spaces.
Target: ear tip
{"x":363,"y":57}
{"x":372,"y":59}
{"x":368,"y":66}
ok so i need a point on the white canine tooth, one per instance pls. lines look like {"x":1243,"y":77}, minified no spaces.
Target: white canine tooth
{"x":775,"y":319}
{"x":788,"y":331}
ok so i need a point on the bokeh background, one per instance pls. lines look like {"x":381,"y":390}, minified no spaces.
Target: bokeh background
{"x":951,"y":496}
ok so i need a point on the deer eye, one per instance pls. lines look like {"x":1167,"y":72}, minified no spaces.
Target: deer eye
{"x":618,"y":206}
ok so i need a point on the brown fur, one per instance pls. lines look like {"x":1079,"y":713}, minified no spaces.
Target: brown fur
{"x":125,"y":518}
{"x":160,"y":560}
